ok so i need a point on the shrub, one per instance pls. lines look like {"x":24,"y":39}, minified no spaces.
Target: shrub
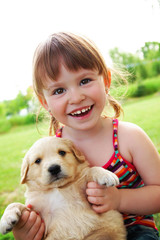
{"x":22,"y":120}
{"x":147,"y":87}
{"x":144,"y":89}
{"x":5,"y":125}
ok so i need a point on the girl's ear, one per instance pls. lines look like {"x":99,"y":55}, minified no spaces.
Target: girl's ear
{"x":43,"y":102}
{"x":107,"y":80}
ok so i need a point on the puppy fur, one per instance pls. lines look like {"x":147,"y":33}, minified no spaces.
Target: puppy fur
{"x":56,"y":174}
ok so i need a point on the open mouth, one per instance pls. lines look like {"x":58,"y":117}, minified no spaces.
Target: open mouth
{"x":82,"y":112}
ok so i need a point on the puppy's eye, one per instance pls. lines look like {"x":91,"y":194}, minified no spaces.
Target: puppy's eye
{"x":62,"y":153}
{"x":38,"y":160}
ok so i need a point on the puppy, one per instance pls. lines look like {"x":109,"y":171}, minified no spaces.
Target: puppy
{"x":56,"y":174}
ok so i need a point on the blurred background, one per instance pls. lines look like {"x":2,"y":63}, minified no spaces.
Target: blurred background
{"x":126,"y":32}
{"x":123,"y":26}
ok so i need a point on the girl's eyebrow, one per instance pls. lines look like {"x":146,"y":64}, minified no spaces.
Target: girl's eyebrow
{"x":90,"y":73}
{"x":53,"y":85}
{"x":58,"y":83}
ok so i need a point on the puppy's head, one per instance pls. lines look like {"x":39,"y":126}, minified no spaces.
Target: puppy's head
{"x":51,"y":162}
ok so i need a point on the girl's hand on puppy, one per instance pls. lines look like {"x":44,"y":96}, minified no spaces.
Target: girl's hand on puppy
{"x":102,"y":198}
{"x":30,"y":226}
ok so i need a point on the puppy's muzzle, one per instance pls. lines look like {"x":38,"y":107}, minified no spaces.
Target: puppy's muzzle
{"x":54,"y":169}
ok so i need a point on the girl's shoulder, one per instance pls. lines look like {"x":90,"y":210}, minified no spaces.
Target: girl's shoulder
{"x":130,"y":129}
{"x":131,"y":139}
{"x":135,"y":138}
{"x":142,"y":152}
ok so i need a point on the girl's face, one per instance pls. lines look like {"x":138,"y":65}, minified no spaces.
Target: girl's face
{"x":77,"y":98}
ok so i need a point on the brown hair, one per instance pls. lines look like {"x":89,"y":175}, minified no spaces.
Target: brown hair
{"x":75,"y":52}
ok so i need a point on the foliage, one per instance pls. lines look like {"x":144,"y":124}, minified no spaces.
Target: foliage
{"x":124,"y":59}
{"x":138,"y":89}
{"x":13,"y":107}
{"x":151,"y":50}
{"x":144,"y":64}
{"x":22,"y":120}
{"x":145,"y":112}
{"x":17,"y":120}
{"x":5,"y":125}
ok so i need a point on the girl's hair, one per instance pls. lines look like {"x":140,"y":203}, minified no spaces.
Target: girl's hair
{"x":74,"y":52}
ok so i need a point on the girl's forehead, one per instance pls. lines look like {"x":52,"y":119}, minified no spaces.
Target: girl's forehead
{"x":66,"y":74}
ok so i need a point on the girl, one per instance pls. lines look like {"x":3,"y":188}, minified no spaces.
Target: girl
{"x":72,"y":83}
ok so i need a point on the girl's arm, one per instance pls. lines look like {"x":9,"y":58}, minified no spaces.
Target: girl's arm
{"x":145,"y":158}
{"x":30,"y":226}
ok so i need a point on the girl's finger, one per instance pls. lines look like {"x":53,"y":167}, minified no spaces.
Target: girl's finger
{"x":94,"y":185}
{"x":99,"y":208}
{"x":40,"y":232}
{"x":94,"y":192}
{"x":96,"y":200}
{"x":23,"y":219}
{"x":34,"y":230}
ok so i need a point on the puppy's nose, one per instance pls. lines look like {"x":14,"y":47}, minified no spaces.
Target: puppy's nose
{"x":54,"y":169}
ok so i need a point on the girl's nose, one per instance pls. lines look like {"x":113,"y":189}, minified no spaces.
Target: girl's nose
{"x":76,"y":96}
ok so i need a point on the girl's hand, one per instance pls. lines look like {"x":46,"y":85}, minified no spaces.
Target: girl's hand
{"x":30,"y":226}
{"x":102,"y":198}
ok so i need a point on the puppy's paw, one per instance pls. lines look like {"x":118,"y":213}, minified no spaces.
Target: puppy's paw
{"x":104,"y":177}
{"x":108,"y":179}
{"x":10,"y":217}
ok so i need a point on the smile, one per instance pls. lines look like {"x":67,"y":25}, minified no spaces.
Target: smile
{"x":81,"y":112}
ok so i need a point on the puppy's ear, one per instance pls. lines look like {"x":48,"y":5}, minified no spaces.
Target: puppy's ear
{"x":24,"y":170}
{"x":77,"y":153}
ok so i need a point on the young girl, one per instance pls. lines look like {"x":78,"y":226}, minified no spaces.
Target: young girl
{"x":72,"y":83}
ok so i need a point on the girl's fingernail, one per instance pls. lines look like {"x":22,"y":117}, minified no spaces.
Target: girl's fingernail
{"x":29,"y":206}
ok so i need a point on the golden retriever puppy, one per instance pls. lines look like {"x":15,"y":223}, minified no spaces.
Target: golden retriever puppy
{"x":56,"y":174}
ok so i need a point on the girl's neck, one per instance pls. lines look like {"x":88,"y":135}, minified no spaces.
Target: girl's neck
{"x":82,"y":135}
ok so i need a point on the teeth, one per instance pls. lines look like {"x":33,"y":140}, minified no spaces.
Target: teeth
{"x":82,"y":111}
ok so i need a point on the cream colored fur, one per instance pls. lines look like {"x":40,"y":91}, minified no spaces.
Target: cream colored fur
{"x":58,"y":194}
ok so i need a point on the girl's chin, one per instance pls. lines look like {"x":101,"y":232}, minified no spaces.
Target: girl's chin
{"x":86,"y":126}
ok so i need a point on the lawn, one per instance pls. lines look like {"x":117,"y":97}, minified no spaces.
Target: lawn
{"x":143,"y":111}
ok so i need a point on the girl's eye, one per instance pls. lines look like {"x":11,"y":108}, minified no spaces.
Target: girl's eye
{"x":58,"y":91}
{"x":85,"y":81}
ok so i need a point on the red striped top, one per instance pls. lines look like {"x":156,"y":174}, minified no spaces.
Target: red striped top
{"x":128,"y":177}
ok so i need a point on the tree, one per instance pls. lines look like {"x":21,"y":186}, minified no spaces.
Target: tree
{"x":128,"y":60}
{"x":151,"y":50}
{"x":151,"y":58}
{"x":145,"y":63}
{"x":16,"y":105}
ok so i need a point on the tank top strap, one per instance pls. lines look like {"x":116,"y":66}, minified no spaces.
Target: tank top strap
{"x":115,"y":135}
{"x":59,"y":132}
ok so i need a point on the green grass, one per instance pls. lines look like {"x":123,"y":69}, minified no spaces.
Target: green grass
{"x":143,"y":111}
{"x":13,"y":146}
